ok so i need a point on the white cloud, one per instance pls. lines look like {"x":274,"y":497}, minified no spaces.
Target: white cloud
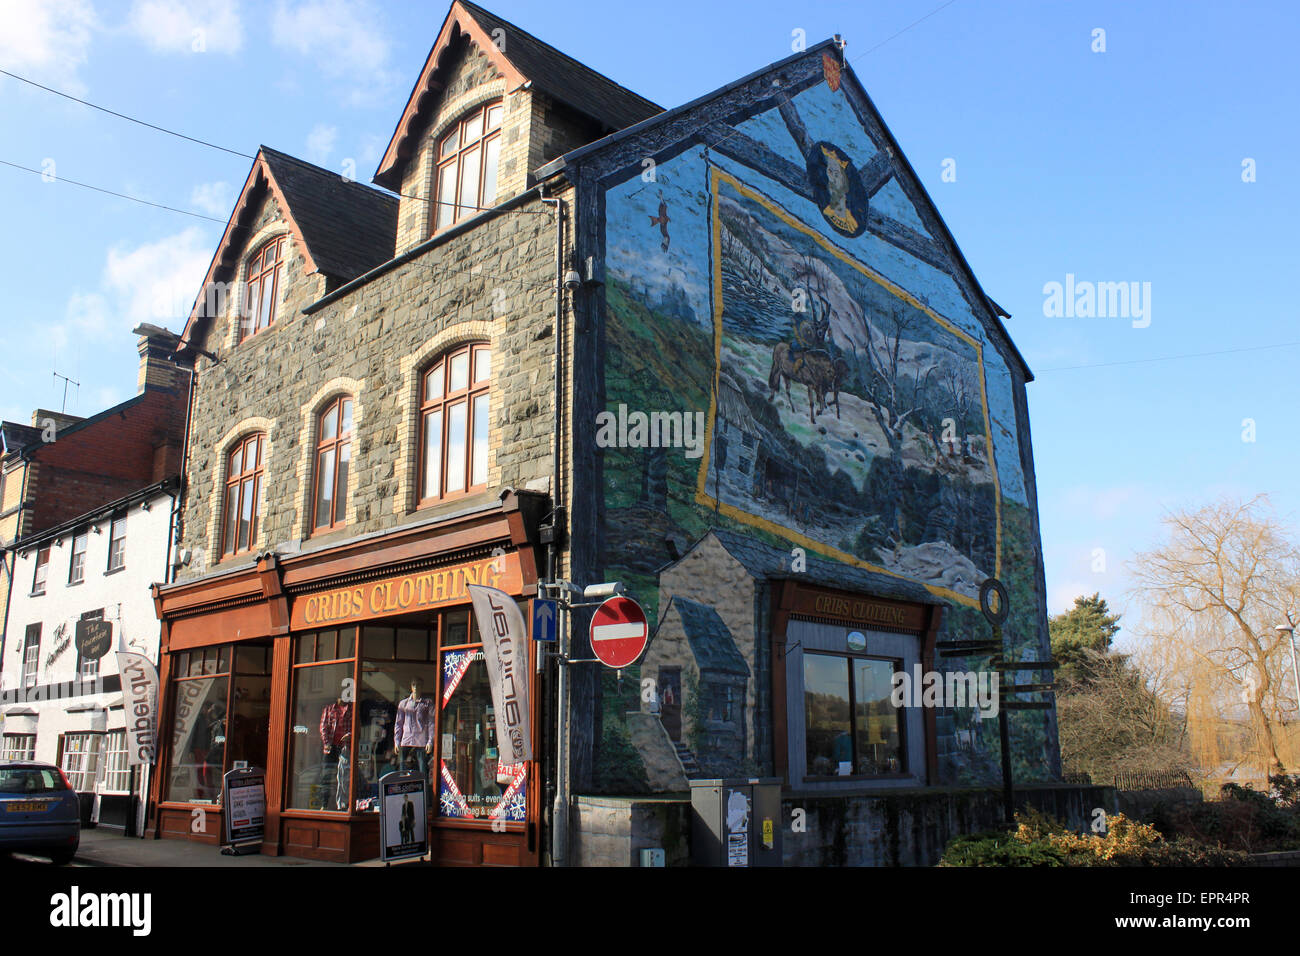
{"x":343,"y":37}
{"x":188,"y":26}
{"x":215,"y":199}
{"x":47,"y":40}
{"x":158,"y":281}
{"x":320,"y":142}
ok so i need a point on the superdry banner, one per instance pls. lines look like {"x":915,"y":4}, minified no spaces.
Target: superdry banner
{"x":140,"y":701}
{"x":505,"y":647}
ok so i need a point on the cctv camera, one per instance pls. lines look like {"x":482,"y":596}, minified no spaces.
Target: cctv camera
{"x":572,"y":280}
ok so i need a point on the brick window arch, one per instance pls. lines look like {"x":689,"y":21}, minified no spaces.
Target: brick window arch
{"x":454,"y":420}
{"x":466,"y":177}
{"x":243,"y":495}
{"x":265,"y":268}
{"x":333,"y":460}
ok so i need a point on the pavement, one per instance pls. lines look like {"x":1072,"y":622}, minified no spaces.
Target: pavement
{"x":104,"y":847}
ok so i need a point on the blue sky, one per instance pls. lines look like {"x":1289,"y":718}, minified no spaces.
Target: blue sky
{"x":1122,"y":165}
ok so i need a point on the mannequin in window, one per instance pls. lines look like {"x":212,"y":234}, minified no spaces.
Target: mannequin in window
{"x":413,"y":730}
{"x":336,"y":740}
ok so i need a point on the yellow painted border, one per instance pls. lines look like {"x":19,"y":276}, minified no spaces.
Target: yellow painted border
{"x":702,"y":496}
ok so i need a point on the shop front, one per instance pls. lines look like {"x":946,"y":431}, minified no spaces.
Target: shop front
{"x":330,"y":670}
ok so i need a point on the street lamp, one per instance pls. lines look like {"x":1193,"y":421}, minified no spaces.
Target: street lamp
{"x":1289,"y":629}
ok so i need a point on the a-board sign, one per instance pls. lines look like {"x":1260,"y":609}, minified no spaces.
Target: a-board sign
{"x":403,"y":822}
{"x":245,"y":805}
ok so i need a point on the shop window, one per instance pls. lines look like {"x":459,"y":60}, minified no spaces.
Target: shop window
{"x":31,"y":654}
{"x":265,"y":269}
{"x":467,"y":165}
{"x":117,"y":769}
{"x":472,"y":781}
{"x":396,"y":710}
{"x":851,"y":727}
{"x":201,"y":682}
{"x":18,"y":747}
{"x":117,"y":544}
{"x":80,"y":760}
{"x":243,"y":495}
{"x":454,"y":423}
{"x":42,"y":570}
{"x":321,"y":747}
{"x":333,"y":456}
{"x":77,"y":569}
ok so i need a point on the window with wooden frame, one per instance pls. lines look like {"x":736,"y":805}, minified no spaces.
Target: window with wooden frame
{"x":42,"y":570}
{"x":77,"y":568}
{"x":454,"y":416}
{"x":117,"y":544}
{"x":243,"y":495}
{"x":333,"y":457}
{"x":265,"y":269}
{"x":466,"y":178}
{"x":31,"y":654}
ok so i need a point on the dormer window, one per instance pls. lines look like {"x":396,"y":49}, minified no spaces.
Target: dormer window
{"x":264,"y":271}
{"x":467,"y":165}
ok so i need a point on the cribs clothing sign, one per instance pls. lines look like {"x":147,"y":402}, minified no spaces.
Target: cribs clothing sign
{"x":505,"y":649}
{"x":414,"y":727}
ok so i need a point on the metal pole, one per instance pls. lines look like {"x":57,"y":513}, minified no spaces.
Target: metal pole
{"x":1295,"y":668}
{"x":560,"y":828}
{"x":1004,"y":731}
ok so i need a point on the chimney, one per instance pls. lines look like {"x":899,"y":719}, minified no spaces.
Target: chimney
{"x":157,"y":370}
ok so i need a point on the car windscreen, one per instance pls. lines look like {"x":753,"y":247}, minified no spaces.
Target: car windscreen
{"x":18,"y":780}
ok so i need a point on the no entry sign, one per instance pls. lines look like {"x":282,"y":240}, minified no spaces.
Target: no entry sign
{"x":618,"y":632}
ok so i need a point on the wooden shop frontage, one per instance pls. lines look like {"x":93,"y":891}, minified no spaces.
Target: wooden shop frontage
{"x":332,"y":668}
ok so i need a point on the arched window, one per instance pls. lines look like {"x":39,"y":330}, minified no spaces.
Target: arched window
{"x":467,"y":165}
{"x":264,"y":270}
{"x":333,"y":455}
{"x":243,"y":495}
{"x":454,"y":408}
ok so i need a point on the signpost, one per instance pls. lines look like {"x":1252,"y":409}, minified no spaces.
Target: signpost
{"x":403,"y":820}
{"x":619,"y":632}
{"x":245,"y":816}
{"x":545,"y":615}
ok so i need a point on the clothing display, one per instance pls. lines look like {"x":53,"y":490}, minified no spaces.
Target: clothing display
{"x":405,"y":755}
{"x":414,"y":727}
{"x":335,"y":725}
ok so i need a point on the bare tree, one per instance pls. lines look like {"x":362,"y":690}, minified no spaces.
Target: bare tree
{"x":1212,"y":594}
{"x":894,"y":401}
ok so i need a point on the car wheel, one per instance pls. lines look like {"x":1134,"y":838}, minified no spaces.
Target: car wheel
{"x":63,"y":857}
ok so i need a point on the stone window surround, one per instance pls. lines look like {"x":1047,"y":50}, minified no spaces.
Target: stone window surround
{"x":238,"y":432}
{"x":406,"y":500}
{"x":306,"y":471}
{"x":235,"y":303}
{"x":448,"y":115}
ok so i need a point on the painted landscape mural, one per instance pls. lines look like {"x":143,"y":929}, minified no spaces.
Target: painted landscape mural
{"x":778,"y":282}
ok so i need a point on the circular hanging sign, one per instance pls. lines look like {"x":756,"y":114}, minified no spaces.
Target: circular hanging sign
{"x":619,"y":632}
{"x":994,"y":602}
{"x":857,"y":641}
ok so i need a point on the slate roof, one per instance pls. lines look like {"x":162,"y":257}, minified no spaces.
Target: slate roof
{"x":564,"y":78}
{"x":14,"y":436}
{"x":348,"y":227}
{"x":710,"y":639}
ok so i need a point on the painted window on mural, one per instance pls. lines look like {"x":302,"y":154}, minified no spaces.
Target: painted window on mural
{"x":472,"y":781}
{"x":467,"y":166}
{"x":852,"y":729}
{"x":454,"y":413}
{"x":243,"y":496}
{"x":321,"y":744}
{"x":333,"y":457}
{"x":265,"y":270}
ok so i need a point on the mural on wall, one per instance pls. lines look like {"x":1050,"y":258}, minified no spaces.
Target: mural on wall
{"x":781,"y":283}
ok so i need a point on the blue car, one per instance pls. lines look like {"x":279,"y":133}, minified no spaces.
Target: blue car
{"x":39,"y":811}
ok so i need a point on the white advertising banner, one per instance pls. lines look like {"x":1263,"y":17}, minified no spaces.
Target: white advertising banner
{"x":505,"y":649}
{"x":140,"y":701}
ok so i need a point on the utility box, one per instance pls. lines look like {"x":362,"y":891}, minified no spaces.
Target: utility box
{"x":736,"y":822}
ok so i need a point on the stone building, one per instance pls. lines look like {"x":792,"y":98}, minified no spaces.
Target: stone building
{"x":397,"y":397}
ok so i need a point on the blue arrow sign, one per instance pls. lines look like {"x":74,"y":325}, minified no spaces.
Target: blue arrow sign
{"x":544,"y":619}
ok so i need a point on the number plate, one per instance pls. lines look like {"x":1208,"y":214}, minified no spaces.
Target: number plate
{"x":28,"y":806}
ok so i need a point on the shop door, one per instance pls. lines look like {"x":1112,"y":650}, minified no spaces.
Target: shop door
{"x":250,"y":706}
{"x":670,"y":701}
